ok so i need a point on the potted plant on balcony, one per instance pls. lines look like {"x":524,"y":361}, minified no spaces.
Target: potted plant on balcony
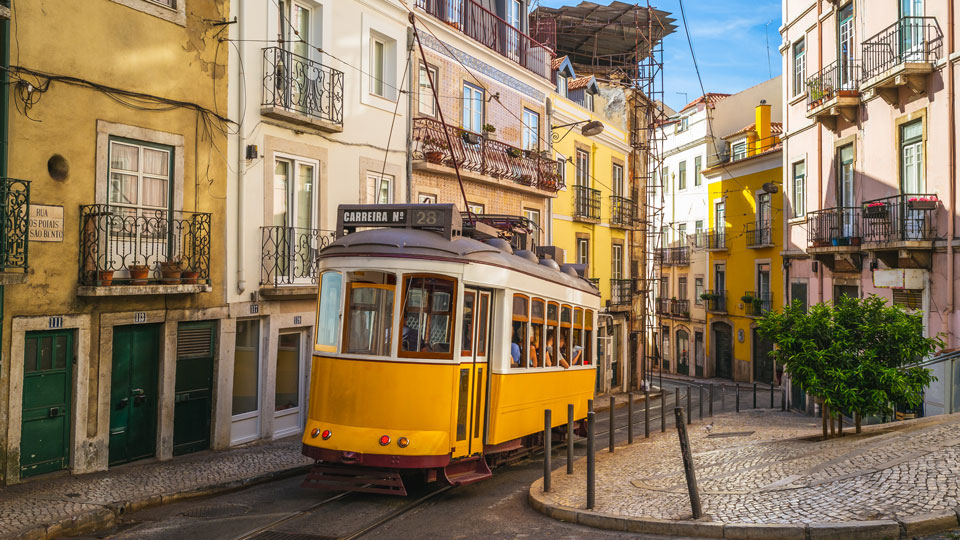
{"x":105,"y":278}
{"x":189,"y":275}
{"x":746,"y":299}
{"x":875,"y":210}
{"x":170,"y":272}
{"x":138,"y":273}
{"x":432,"y":149}
{"x":514,"y":152}
{"x":489,"y":131}
{"x":526,"y":179}
{"x":757,"y":305}
{"x":815,"y":92}
{"x":470,"y":137}
{"x":923,"y":203}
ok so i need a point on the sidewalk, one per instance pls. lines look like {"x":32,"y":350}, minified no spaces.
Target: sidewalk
{"x":765,"y":473}
{"x":69,"y":505}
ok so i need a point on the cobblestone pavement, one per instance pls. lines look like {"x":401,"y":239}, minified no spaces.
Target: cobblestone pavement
{"x":34,"y":505}
{"x":769,"y":467}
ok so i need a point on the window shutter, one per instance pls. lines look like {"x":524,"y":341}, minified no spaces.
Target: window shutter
{"x":908,"y":298}
{"x":194,"y":342}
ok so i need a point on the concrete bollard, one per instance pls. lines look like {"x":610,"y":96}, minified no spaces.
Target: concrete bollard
{"x":783,"y":399}
{"x":700,"y":396}
{"x":771,"y":395}
{"x":547,"y":449}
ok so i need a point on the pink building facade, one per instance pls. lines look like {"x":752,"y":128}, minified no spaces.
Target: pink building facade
{"x":869,"y":154}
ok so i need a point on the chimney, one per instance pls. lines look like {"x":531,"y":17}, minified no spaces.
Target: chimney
{"x":764,"y":141}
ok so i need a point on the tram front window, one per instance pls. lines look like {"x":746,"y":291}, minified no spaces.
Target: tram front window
{"x":428,"y":305}
{"x":369,"y":313}
{"x":328,"y":311}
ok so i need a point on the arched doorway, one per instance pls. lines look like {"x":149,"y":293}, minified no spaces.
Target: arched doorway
{"x":723,"y":349}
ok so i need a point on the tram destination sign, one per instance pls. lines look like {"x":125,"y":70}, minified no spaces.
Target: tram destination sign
{"x":443,"y":218}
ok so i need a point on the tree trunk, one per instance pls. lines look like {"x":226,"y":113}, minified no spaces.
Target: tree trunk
{"x":824,"y":414}
{"x":840,"y":424}
{"x":858,"y":421}
{"x":833,"y":424}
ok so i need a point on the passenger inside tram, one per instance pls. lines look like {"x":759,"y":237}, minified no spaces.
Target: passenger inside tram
{"x":548,"y":348}
{"x":534,"y":348}
{"x":516,"y":350}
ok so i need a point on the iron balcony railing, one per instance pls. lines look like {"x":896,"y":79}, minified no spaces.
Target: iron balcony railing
{"x":14,"y":224}
{"x":586,"y":203}
{"x":594,"y":281}
{"x":840,"y":78}
{"x":838,"y":226}
{"x":623,"y":212}
{"x":716,"y":301}
{"x":900,"y":218}
{"x":484,"y":26}
{"x":522,"y":232}
{"x":759,"y":235}
{"x":301,"y":85}
{"x":124,"y":245}
{"x":757,"y":304}
{"x":909,"y":40}
{"x":715,"y":239}
{"x":621,"y":291}
{"x":678,"y":256}
{"x":663,"y":306}
{"x":662,"y":256}
{"x":288,"y":255}
{"x":478,"y":154}
{"x":680,"y":308}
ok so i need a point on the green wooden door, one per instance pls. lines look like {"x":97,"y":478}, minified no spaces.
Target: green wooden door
{"x":47,"y":379}
{"x":194,"y":387}
{"x":133,"y":393}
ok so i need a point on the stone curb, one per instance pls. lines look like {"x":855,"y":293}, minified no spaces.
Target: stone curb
{"x":603,"y":404}
{"x":107,"y":516}
{"x":904,"y":528}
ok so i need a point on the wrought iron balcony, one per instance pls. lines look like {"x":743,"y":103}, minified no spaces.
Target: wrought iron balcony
{"x":757,"y":304}
{"x":680,"y":308}
{"x":621,"y":292}
{"x":716,"y":301}
{"x":835,"y":91}
{"x":301,"y":91}
{"x":14,"y":223}
{"x":663,"y":306}
{"x":759,"y":235}
{"x":474,"y":153}
{"x":485,"y":27}
{"x":623,"y":212}
{"x":900,"y":218}
{"x":830,"y":227}
{"x":910,"y":40}
{"x":711,"y":239}
{"x":586,"y":205}
{"x":678,"y":256}
{"x":288,"y":255}
{"x":134,"y":246}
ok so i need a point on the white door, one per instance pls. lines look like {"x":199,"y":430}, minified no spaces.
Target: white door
{"x":245,"y":420}
{"x":912,"y":177}
{"x":847,"y":49}
{"x":513,"y":34}
{"x":911,"y":30}
{"x":846,"y":194}
{"x":295,"y":217}
{"x":288,"y":398}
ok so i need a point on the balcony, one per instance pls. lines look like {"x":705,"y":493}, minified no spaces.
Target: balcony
{"x":901,"y":229}
{"x":902,"y":55}
{"x":621,"y":292}
{"x":716,"y":301}
{"x":299,"y":91}
{"x":663,"y":307}
{"x":711,"y":239}
{"x":288,"y":260}
{"x":488,"y":29}
{"x":834,"y":92}
{"x":129,"y":251}
{"x":623,"y":212}
{"x":680,"y":309}
{"x":834,"y":237}
{"x":759,"y":235}
{"x":586,"y":204}
{"x":678,"y":256}
{"x":757,"y":304}
{"x":494,"y":161}
{"x":14,"y":224}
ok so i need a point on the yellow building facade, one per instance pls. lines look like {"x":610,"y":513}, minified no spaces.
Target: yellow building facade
{"x":593,"y":216}
{"x":744,"y":264}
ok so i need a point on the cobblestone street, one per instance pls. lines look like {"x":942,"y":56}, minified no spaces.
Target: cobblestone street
{"x":769,"y":467}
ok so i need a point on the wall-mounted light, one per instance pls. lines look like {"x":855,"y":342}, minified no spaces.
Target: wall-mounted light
{"x":591,"y":128}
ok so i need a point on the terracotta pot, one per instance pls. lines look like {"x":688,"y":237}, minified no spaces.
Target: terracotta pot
{"x":433,"y":156}
{"x":170,"y":275}
{"x":105,"y":278}
{"x":189,"y":277}
{"x":138,"y":274}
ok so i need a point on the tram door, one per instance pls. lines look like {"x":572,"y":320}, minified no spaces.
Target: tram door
{"x":472,"y":375}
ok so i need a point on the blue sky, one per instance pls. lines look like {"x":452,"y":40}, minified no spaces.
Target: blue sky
{"x":728,"y":37}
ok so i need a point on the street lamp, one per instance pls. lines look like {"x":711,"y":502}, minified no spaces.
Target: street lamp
{"x":591,"y":128}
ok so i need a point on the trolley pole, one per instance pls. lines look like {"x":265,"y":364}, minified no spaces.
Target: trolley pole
{"x":688,"y":469}
{"x":547,"y":449}
{"x":570,"y":438}
{"x":629,"y":417}
{"x":613,"y":410}
{"x":591,"y":460}
{"x":646,"y":414}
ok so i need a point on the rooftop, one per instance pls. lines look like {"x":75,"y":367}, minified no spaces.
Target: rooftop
{"x":709,"y":98}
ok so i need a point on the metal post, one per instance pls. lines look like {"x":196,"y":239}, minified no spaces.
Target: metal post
{"x":676,"y":398}
{"x":690,"y":409}
{"x":613,"y":432}
{"x":700,"y":395}
{"x":589,"y":405}
{"x":688,"y":469}
{"x":547,"y":449}
{"x":629,"y":417}
{"x":663,"y":408}
{"x":591,"y":460}
{"x":771,"y":395}
{"x":754,"y":395}
{"x":723,"y":397}
{"x":738,"y":397}
{"x":570,"y":438}
{"x":646,"y":414}
{"x":710,"y":408}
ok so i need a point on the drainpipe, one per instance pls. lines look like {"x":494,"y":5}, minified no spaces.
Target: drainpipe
{"x":411,"y":61}
{"x":951,"y":208}
{"x":819,"y":143}
{"x":241,"y":157}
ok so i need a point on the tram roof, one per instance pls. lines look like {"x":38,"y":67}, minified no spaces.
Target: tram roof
{"x":420,"y":244}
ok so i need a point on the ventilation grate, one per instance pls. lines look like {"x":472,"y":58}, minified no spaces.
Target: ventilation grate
{"x":194,"y":342}
{"x":908,"y":298}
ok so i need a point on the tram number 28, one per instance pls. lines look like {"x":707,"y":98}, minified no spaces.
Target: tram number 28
{"x":426,"y":217}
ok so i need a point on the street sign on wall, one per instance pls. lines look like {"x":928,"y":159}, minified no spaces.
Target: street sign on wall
{"x":46,"y":223}
{"x":898,"y":278}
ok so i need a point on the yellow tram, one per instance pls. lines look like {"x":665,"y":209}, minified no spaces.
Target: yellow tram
{"x":438,"y":348}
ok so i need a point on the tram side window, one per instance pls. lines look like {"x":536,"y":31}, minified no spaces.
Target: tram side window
{"x":588,"y":338}
{"x":484,"y":308}
{"x":566,"y":341}
{"x":428,"y":306}
{"x":577,"y":337}
{"x":518,"y":340}
{"x":466,"y":326}
{"x":551,"y":346}
{"x":369,"y":313}
{"x":537,"y":358}
{"x":328,"y":311}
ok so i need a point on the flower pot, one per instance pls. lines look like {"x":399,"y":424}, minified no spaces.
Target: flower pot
{"x":470,"y":138}
{"x":433,"y":156}
{"x":923,"y":205}
{"x":835,"y":241}
{"x":170,"y":275}
{"x":855,"y":240}
{"x":105,"y":278}
{"x":843,"y":241}
{"x":189,"y":277}
{"x":875,"y":212}
{"x":138,"y":274}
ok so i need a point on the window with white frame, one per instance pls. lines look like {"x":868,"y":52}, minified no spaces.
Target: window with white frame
{"x":683,"y":124}
{"x":140,"y":177}
{"x":379,"y":188}
{"x":427,"y":198}
{"x":618,"y":180}
{"x":475,"y":208}
{"x":682,"y":181}
{"x":533,"y":215}
{"x":799,"y":189}
{"x":697,"y":167}
{"x":739,"y":150}
{"x":295,"y":213}
{"x":617,"y":263}
{"x":583,"y":168}
{"x":583,"y":251}
{"x":561,"y":85}
{"x":562,"y":169}
{"x":172,"y":4}
{"x":588,"y":101}
{"x":426,"y":105}
{"x":383,"y":66}
{"x":472,"y":108}
{"x":799,"y":66}
{"x":531,"y":130}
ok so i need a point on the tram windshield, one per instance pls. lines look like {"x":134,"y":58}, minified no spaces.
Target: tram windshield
{"x":369,"y":313}
{"x":428,"y":307}
{"x":328,"y":311}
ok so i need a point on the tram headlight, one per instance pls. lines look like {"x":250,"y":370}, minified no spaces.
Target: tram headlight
{"x":315,"y":433}
{"x":384,"y":440}
{"x":326,"y":434}
{"x":403,"y":442}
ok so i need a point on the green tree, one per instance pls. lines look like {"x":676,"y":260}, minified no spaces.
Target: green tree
{"x":857,"y":355}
